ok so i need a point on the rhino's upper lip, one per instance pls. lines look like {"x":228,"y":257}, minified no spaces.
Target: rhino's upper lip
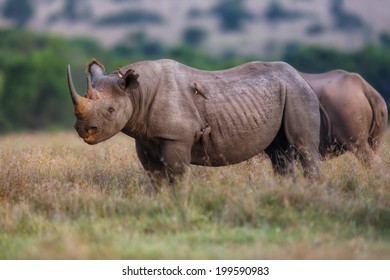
{"x":89,"y":140}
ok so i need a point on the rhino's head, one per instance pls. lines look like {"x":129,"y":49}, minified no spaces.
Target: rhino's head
{"x":106,"y":107}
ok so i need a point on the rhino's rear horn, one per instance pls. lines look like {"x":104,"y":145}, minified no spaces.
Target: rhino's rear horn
{"x":91,"y":92}
{"x":73,"y":93}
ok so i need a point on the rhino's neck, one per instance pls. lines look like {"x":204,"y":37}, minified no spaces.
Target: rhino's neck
{"x":142,"y":98}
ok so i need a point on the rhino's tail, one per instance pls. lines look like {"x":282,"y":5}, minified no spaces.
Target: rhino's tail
{"x":379,"y":114}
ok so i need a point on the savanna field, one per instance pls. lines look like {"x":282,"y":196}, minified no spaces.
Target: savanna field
{"x":63,"y":199}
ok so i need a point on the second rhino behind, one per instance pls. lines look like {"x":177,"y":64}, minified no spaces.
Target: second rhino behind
{"x":353,"y":117}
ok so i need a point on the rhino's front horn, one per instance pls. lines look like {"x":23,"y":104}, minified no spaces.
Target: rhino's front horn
{"x":73,"y":93}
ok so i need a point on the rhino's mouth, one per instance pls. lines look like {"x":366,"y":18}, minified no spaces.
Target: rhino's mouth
{"x":95,"y":138}
{"x":90,"y":135}
{"x":90,"y":139}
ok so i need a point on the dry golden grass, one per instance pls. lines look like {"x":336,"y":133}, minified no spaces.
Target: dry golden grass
{"x":63,"y":199}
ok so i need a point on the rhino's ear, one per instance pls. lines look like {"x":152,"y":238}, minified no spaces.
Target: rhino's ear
{"x":95,"y":68}
{"x":129,"y":80}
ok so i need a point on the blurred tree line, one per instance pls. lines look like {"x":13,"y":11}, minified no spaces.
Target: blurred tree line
{"x":33,"y":87}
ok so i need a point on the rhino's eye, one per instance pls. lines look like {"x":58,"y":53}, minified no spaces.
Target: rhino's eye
{"x":111,"y":109}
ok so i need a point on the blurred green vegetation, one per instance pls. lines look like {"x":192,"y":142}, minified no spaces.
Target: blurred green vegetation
{"x":33,"y":88}
{"x":232,"y":14}
{"x":131,"y":17}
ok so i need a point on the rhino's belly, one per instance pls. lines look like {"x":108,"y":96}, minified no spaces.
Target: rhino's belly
{"x":222,"y":157}
{"x":213,"y":150}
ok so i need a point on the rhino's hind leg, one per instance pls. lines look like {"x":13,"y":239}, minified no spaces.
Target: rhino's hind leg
{"x":301,"y":123}
{"x":305,"y":149}
{"x":281,"y":155}
{"x":308,"y":157}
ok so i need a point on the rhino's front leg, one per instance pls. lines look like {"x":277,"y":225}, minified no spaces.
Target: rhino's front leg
{"x":176,"y":158}
{"x":165,"y":161}
{"x":150,"y":159}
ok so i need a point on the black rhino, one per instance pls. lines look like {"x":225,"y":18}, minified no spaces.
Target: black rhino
{"x":179,"y":115}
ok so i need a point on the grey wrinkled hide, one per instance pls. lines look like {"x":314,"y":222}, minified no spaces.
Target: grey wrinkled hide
{"x":180,"y":115}
{"x":354,"y":114}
